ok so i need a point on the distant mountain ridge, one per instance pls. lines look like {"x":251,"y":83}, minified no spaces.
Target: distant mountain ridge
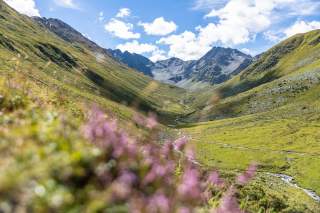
{"x":216,"y":67}
{"x":69,"y":34}
{"x":133,"y":60}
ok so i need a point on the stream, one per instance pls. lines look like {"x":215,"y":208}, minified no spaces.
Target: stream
{"x":290,"y":181}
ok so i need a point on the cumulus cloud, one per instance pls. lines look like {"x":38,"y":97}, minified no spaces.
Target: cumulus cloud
{"x":158,"y":55}
{"x":67,"y":4}
{"x":185,"y":46}
{"x":143,"y":48}
{"x":136,"y":47}
{"x":301,"y":27}
{"x":235,"y":22}
{"x":246,"y":17}
{"x":27,"y":7}
{"x":123,"y":12}
{"x":121,"y":29}
{"x":159,"y":27}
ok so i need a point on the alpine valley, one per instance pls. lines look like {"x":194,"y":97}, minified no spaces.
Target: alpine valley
{"x":234,"y":108}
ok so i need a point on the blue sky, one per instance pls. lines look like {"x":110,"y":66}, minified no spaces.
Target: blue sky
{"x":186,"y":29}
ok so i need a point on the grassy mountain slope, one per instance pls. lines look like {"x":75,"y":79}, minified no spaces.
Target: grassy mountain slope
{"x":280,"y":75}
{"x":270,"y":113}
{"x":45,"y":56}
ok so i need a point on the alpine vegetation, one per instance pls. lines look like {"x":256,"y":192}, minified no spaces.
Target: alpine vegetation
{"x":147,"y":177}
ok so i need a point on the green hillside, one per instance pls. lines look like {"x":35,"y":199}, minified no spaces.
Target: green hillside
{"x":270,"y":113}
{"x":280,"y":75}
{"x":77,"y":69}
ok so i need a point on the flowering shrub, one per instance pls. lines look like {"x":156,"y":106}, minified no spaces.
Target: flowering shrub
{"x":149,"y":177}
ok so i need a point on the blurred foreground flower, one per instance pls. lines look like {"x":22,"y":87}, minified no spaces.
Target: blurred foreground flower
{"x":144,"y":175}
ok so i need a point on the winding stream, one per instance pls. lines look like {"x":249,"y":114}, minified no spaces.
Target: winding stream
{"x":290,"y":181}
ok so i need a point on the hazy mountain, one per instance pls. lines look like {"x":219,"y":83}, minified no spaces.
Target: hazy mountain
{"x":133,"y":60}
{"x":171,"y":70}
{"x":217,"y":66}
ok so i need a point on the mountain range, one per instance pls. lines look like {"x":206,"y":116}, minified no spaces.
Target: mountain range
{"x":264,"y":109}
{"x":215,"y":67}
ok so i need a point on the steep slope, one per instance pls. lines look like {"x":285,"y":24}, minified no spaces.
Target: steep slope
{"x":278,"y":76}
{"x":69,"y":34}
{"x":78,"y":67}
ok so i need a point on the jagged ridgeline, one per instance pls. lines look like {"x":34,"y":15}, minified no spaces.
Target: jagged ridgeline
{"x":76,"y":63}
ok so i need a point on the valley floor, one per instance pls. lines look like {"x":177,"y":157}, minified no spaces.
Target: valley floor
{"x":282,"y":146}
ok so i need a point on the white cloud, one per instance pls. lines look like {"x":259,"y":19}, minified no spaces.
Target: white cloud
{"x":159,"y":27}
{"x":248,"y":51}
{"x":185,"y":46}
{"x":304,"y":7}
{"x":123,"y":12}
{"x":247,"y":17}
{"x":67,"y":4}
{"x":121,"y":29}
{"x":27,"y":7}
{"x":272,"y":36}
{"x":101,"y":16}
{"x":158,"y":55}
{"x":208,"y":4}
{"x":136,"y":47}
{"x":143,"y":48}
{"x":236,"y":22}
{"x":301,"y":27}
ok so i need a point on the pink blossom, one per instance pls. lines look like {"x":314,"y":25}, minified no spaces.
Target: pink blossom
{"x":229,"y":203}
{"x":245,"y":177}
{"x":191,"y":155}
{"x":158,"y":203}
{"x":184,"y":210}
{"x":144,"y":175}
{"x":139,"y":119}
{"x":180,"y":143}
{"x":189,"y":187}
{"x":214,"y":179}
{"x":151,"y":122}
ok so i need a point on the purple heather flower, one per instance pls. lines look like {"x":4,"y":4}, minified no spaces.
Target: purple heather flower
{"x":245,"y":177}
{"x":184,"y":210}
{"x":191,"y":156}
{"x":127,"y":177}
{"x":167,"y":148}
{"x":189,"y":187}
{"x":139,"y":119}
{"x":229,"y":203}
{"x":158,"y":203}
{"x":214,"y":179}
{"x":151,"y":121}
{"x":180,"y":143}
